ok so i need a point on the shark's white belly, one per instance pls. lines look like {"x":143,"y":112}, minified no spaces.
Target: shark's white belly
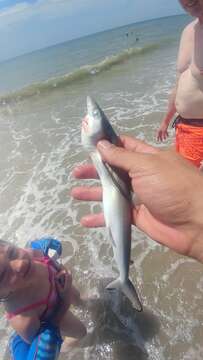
{"x":118,"y":221}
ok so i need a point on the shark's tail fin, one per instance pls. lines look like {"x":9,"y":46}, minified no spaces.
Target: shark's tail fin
{"x":127,"y":288}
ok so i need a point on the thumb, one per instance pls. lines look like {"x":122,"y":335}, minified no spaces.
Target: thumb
{"x":120,"y":157}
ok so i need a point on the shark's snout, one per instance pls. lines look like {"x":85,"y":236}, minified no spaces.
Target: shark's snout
{"x":90,"y":103}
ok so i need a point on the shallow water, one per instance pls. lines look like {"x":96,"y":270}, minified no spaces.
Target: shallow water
{"x":40,"y":137}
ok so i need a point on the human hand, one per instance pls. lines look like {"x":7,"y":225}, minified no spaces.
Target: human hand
{"x":162,"y":132}
{"x":63,"y":280}
{"x":169,"y":189}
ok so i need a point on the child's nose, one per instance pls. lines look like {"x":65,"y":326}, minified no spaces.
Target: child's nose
{"x":19,"y":267}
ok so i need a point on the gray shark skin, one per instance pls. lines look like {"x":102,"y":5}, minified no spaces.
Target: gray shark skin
{"x":116,"y":197}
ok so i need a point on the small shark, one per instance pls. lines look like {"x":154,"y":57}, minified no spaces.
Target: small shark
{"x":117,"y":200}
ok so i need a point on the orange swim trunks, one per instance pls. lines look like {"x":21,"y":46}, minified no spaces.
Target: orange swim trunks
{"x":189,"y":141}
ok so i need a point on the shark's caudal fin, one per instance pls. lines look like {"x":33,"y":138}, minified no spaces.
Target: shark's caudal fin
{"x":128,"y":290}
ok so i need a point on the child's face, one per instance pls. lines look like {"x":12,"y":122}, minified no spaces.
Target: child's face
{"x":16,"y":267}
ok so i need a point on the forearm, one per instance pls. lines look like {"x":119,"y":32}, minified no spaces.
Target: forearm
{"x":63,"y":306}
{"x":67,"y":294}
{"x":75,"y":296}
{"x":171,"y":108}
{"x":59,"y":312}
{"x":195,"y":231}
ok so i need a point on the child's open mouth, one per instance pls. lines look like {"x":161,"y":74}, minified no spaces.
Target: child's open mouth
{"x":85,"y":124}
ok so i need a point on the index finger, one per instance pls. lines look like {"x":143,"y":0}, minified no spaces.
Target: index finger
{"x":85,"y":171}
{"x":133,"y":144}
{"x":127,"y":160}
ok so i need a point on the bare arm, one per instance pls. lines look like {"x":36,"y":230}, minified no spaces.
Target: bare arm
{"x":63,"y":282}
{"x":69,"y":324}
{"x":171,"y":106}
{"x":26,"y":326}
{"x":162,"y":132}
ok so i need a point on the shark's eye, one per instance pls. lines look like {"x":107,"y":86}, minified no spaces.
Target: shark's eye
{"x":95,"y":112}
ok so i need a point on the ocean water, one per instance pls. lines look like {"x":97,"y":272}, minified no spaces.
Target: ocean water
{"x":130,"y":72}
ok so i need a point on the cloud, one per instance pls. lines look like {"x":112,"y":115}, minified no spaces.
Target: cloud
{"x":14,"y":14}
{"x":44,"y":8}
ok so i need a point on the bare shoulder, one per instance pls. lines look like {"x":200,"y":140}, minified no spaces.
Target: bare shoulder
{"x":25,"y":325}
{"x":189,"y":29}
{"x":186,"y":48}
{"x":23,"y":320}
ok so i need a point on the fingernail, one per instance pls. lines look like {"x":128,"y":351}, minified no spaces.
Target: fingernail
{"x":103,"y":144}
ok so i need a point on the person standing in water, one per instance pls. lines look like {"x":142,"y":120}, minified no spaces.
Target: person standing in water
{"x":186,"y":98}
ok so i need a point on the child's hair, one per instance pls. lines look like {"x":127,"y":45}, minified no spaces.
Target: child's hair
{"x":4,"y":243}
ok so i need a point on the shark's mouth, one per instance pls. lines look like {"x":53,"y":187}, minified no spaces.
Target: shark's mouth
{"x":85,"y":124}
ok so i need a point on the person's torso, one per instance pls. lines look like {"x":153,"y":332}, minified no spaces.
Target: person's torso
{"x":189,"y":96}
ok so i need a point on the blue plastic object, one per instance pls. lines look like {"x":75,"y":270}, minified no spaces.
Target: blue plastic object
{"x":45,"y":244}
{"x":47,"y":343}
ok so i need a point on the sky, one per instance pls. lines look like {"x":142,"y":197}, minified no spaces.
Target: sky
{"x":28,"y":25}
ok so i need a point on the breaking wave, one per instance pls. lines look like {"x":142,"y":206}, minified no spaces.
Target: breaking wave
{"x":77,"y":75}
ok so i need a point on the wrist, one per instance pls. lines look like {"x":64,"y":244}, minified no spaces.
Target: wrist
{"x":195,"y":232}
{"x":167,"y":120}
{"x":195,"y":249}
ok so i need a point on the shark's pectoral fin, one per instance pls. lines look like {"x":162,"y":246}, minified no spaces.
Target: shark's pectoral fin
{"x":111,"y":236}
